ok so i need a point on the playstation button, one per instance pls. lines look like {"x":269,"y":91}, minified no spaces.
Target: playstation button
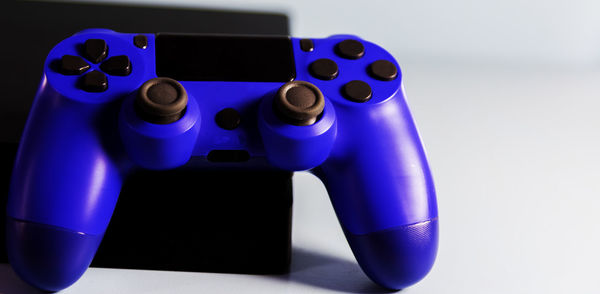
{"x":228,"y":119}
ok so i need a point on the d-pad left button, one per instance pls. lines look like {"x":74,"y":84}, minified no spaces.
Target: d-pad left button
{"x":95,"y":50}
{"x":73,"y":65}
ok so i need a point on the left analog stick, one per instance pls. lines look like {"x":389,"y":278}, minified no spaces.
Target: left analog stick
{"x":161,"y":101}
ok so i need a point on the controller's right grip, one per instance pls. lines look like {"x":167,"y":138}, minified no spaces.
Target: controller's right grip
{"x":399,"y":257}
{"x":381,"y":188}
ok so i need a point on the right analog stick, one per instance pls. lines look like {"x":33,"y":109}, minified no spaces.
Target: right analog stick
{"x":299,"y":103}
{"x":161,"y":101}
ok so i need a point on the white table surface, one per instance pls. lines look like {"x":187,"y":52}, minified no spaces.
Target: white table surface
{"x":515,"y":154}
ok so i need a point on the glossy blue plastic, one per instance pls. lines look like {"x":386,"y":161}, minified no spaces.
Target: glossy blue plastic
{"x":78,"y":148}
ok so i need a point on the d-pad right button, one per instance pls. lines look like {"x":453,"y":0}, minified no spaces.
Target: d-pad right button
{"x":117,"y":65}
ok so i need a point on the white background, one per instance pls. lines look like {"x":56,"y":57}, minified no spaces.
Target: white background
{"x":507,"y":98}
{"x":566,"y":33}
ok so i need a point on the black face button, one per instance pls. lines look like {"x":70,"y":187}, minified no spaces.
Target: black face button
{"x":117,"y":66}
{"x":73,"y":65}
{"x":228,"y":119}
{"x":140,"y":41}
{"x":299,"y":103}
{"x":307,"y":45}
{"x":94,"y":81}
{"x":95,"y":50}
{"x":383,"y":70}
{"x":324,"y":69}
{"x":357,"y":91}
{"x":161,"y":101}
{"x":350,"y":49}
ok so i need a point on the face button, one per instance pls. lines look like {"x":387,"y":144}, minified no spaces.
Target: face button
{"x":73,"y":65}
{"x":228,"y":119}
{"x":161,"y":101}
{"x":95,"y":50}
{"x":307,"y":45}
{"x":383,"y":70}
{"x":117,"y":66}
{"x":324,"y":69}
{"x":299,"y":103}
{"x":94,"y":81}
{"x":357,"y":91}
{"x":351,"y":49}
{"x":140,"y":41}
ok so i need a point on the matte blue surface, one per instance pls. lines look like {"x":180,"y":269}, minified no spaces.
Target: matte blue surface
{"x":47,"y":257}
{"x":78,"y":147}
{"x":399,"y":257}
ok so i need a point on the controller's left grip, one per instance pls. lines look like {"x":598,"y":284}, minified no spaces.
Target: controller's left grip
{"x":64,"y":187}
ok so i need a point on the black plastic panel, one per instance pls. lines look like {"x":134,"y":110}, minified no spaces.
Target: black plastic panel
{"x":187,"y":57}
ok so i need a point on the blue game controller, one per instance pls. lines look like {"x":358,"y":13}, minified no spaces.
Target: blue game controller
{"x":110,"y":103}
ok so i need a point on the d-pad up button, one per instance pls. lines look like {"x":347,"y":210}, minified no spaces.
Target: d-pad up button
{"x":95,"y":50}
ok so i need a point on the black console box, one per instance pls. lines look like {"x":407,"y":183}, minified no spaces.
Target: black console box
{"x":225,"y":221}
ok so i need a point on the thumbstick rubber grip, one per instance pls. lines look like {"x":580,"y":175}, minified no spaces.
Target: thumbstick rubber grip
{"x":299,"y":103}
{"x":161,"y":101}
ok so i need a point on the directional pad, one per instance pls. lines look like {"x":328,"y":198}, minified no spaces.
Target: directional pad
{"x":117,"y":66}
{"x":73,"y":65}
{"x":95,"y":50}
{"x":94,"y":81}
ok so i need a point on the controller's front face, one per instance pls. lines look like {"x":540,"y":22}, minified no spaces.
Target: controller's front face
{"x":110,"y":102}
{"x":225,"y":79}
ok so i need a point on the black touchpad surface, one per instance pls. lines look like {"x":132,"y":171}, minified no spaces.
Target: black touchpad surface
{"x":187,"y":57}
